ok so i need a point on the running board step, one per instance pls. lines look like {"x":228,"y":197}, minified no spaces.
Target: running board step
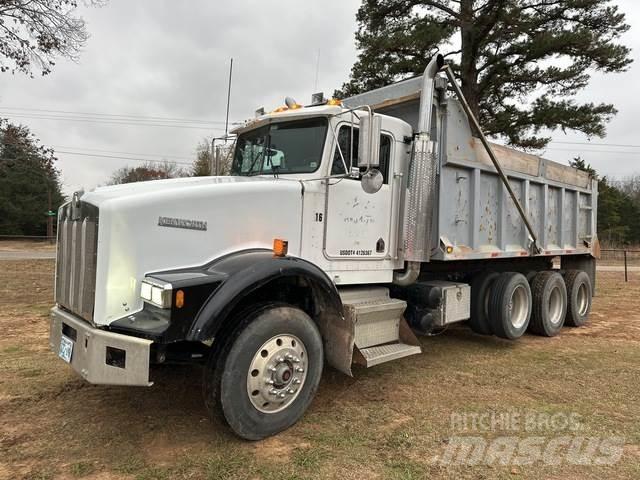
{"x":385,"y":353}
{"x":381,"y":333}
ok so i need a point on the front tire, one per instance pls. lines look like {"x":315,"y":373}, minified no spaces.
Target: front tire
{"x":268,"y":372}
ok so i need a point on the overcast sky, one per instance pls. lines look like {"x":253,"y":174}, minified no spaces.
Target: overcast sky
{"x":168,"y":59}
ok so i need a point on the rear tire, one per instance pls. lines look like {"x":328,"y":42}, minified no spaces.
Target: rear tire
{"x":549,"y":296}
{"x":268,"y":372}
{"x":579,"y":297}
{"x":480,"y":291}
{"x":510,"y":305}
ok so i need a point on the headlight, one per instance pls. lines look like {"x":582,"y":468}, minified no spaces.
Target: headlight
{"x":156,"y":292}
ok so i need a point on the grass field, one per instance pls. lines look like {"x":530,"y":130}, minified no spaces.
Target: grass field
{"x":393,"y":421}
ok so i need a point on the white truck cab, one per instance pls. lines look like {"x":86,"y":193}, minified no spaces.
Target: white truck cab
{"x":343,"y":230}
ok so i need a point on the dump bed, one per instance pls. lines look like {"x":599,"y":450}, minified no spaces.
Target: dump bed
{"x":473,"y":215}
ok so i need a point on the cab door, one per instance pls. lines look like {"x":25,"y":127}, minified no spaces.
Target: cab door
{"x":358,"y":224}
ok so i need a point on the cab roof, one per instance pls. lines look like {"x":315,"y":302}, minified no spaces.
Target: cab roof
{"x":289,"y":114}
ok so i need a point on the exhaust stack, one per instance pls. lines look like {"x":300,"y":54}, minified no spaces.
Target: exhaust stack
{"x":421,"y":184}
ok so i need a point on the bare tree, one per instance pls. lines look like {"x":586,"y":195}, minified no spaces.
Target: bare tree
{"x":206,"y":157}
{"x":147,"y":171}
{"x":34,"y":32}
{"x":202,"y":164}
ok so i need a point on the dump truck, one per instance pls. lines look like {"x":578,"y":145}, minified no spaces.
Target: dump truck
{"x":346,"y":230}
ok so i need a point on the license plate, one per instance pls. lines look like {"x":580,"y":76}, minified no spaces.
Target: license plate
{"x":66,"y":349}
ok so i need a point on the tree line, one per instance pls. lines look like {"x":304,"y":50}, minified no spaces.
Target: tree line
{"x":618,"y":207}
{"x":31,"y":187}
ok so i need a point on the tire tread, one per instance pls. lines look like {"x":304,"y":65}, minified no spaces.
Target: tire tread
{"x":570,"y":278}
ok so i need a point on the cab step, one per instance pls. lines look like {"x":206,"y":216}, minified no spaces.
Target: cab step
{"x":381,"y":332}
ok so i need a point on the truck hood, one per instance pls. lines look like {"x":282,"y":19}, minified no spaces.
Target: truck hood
{"x":102,"y":194}
{"x":168,"y":224}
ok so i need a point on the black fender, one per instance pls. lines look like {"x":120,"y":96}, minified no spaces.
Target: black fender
{"x":213,"y":293}
{"x":243,"y":273}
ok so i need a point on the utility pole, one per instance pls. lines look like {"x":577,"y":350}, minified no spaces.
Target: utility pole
{"x":49,"y":217}
{"x":226,"y":123}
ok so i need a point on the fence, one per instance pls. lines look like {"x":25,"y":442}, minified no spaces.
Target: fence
{"x":616,"y":257}
{"x":620,"y":257}
{"x":26,"y":237}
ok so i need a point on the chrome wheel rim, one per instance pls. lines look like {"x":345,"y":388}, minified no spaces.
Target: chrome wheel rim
{"x":277,"y":373}
{"x":583,"y":299}
{"x":518,"y":307}
{"x":556,"y":305}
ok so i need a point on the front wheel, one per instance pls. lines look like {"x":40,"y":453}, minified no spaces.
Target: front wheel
{"x":268,"y":373}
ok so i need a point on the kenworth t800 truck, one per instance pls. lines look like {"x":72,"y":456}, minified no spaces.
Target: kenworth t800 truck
{"x":345,"y":230}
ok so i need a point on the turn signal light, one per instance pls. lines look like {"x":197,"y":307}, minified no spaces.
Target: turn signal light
{"x":280,"y":247}
{"x":180,"y":299}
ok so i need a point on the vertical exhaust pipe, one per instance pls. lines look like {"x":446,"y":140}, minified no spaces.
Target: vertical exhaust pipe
{"x":421,"y":186}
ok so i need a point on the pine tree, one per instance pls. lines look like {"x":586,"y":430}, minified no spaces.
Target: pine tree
{"x":28,"y":177}
{"x":520,"y":62}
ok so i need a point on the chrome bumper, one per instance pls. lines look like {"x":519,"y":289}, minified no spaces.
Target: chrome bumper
{"x":99,"y":356}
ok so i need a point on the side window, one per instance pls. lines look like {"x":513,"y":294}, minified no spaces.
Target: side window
{"x":344,"y":141}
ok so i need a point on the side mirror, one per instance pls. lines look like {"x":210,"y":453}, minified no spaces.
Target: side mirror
{"x":369,"y":141}
{"x":372,"y":181}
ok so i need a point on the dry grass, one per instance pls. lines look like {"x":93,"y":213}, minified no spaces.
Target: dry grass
{"x":27,"y":246}
{"x":387,"y":422}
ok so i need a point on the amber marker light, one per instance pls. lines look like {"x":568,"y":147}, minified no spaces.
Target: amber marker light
{"x":280,"y":247}
{"x":334,"y":102}
{"x":180,"y":299}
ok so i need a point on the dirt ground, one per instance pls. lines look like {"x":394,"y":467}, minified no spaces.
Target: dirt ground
{"x":391,"y":421}
{"x":27,"y":246}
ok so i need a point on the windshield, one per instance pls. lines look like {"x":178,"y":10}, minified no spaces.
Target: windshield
{"x":286,"y":147}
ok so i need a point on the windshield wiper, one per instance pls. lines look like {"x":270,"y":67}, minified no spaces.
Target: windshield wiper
{"x":253,"y":163}
{"x":274,"y":169}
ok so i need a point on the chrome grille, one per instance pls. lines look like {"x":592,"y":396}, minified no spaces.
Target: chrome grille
{"x":76,"y":258}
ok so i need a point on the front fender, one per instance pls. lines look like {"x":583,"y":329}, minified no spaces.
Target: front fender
{"x":214,"y":291}
{"x":246,"y":272}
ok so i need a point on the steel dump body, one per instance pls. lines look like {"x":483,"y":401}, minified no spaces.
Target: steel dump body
{"x":472,"y":214}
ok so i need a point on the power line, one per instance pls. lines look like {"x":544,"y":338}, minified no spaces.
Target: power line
{"x":597,"y":144}
{"x":593,"y":151}
{"x":178,"y":157}
{"x":114,"y":122}
{"x":127,"y":116}
{"x":124,"y":158}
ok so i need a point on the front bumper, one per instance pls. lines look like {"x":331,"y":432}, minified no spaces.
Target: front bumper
{"x":99,"y":356}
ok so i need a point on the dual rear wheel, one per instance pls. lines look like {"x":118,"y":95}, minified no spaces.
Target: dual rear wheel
{"x":508,"y":304}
